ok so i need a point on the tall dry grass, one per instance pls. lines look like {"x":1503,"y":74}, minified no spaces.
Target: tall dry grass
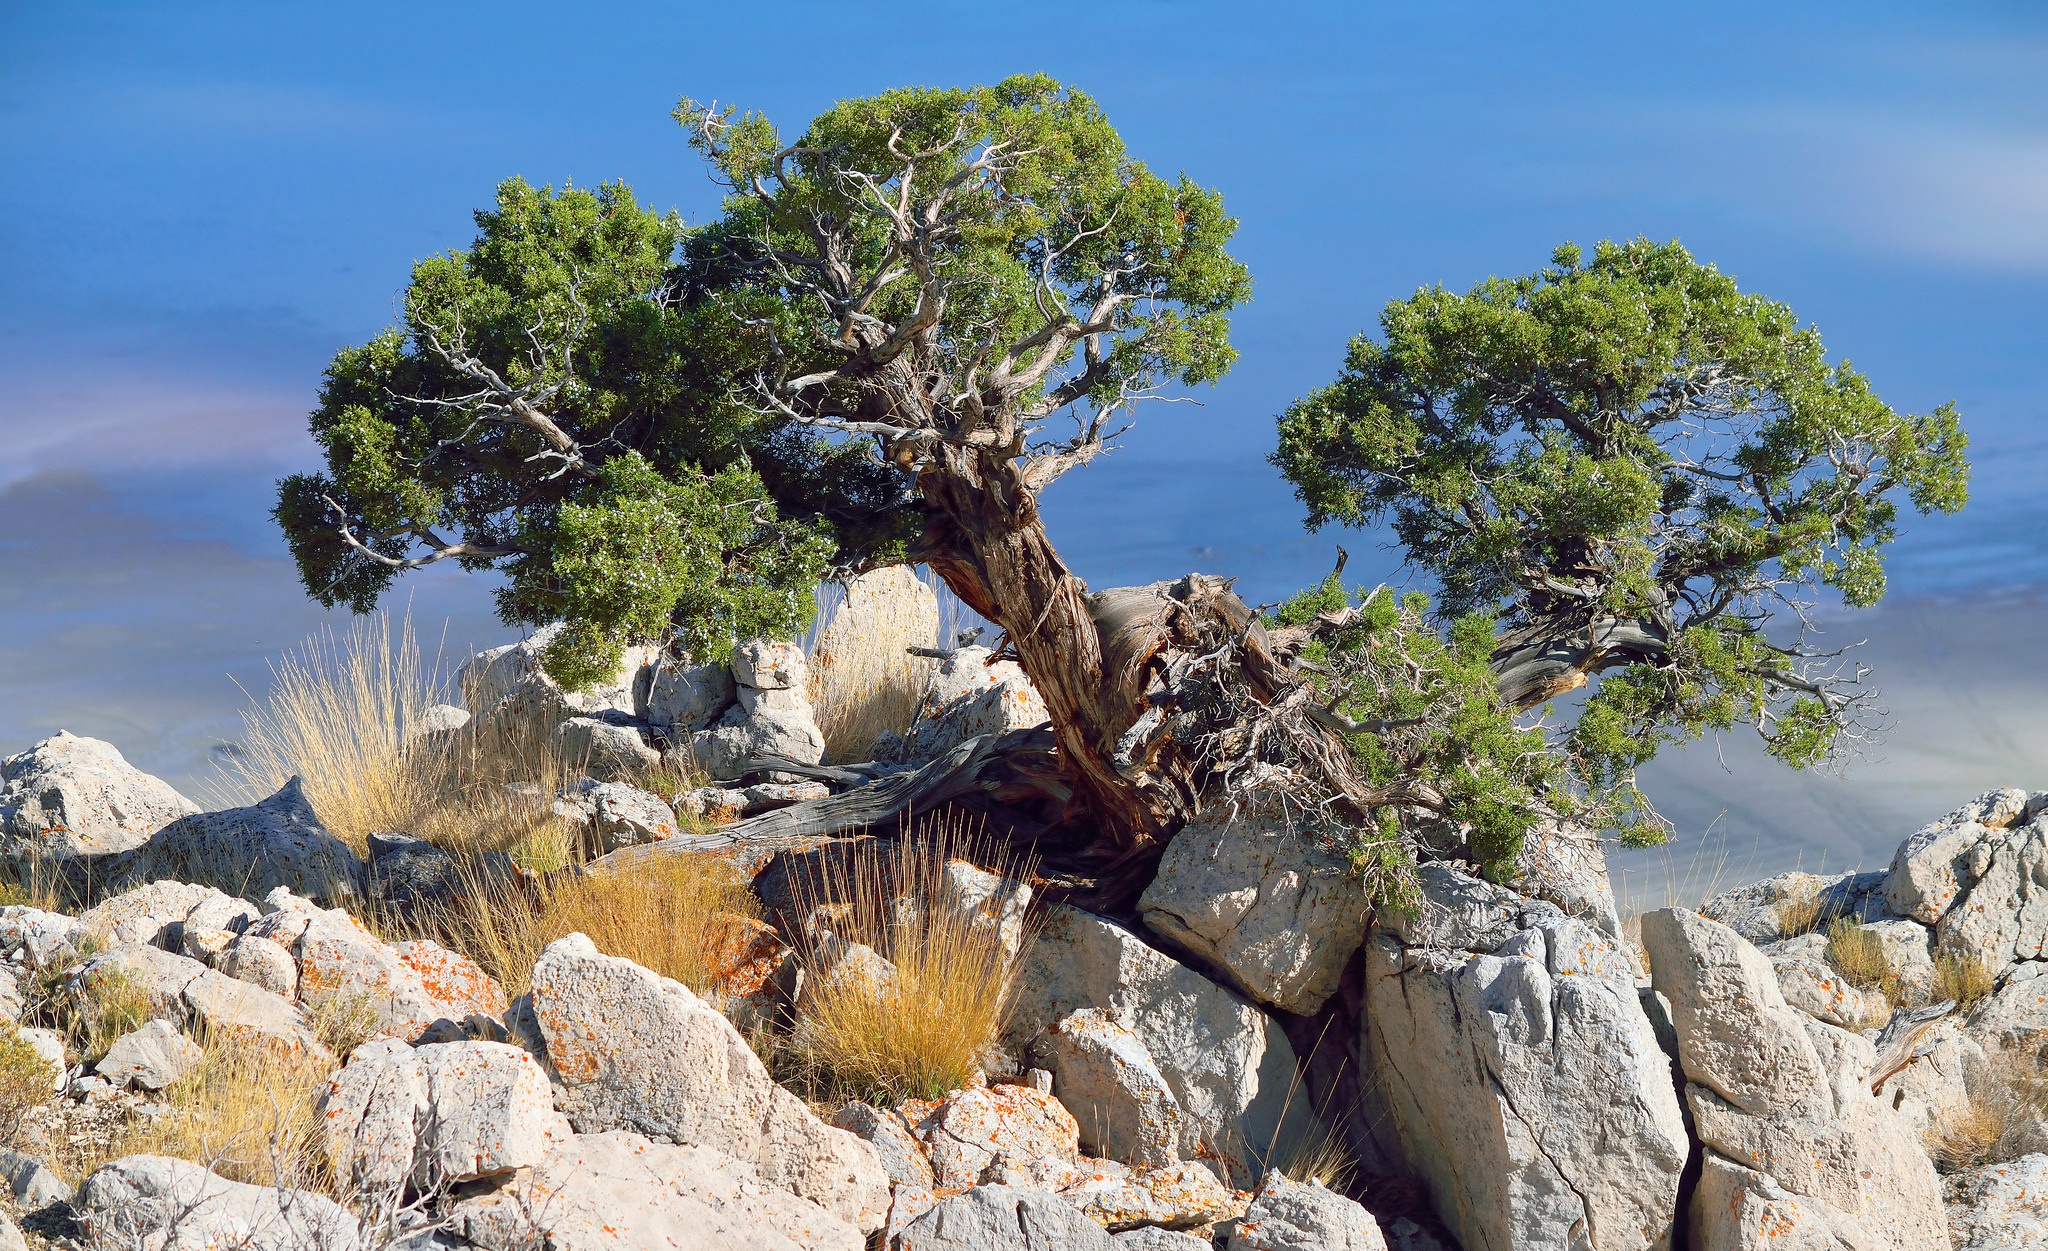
{"x":247,"y":1113}
{"x":919,"y":1031}
{"x":337,"y":714}
{"x":676,"y":915}
{"x":863,"y":680}
{"x":2004,"y":1117}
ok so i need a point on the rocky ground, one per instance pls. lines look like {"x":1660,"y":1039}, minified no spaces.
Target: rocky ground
{"x":1513,"y":1066}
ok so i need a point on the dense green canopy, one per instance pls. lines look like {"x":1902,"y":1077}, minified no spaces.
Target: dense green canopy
{"x":1634,"y":469}
{"x":658,"y":432}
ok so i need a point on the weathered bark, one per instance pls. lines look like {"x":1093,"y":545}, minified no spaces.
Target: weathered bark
{"x":987,"y":539}
{"x":1549,"y":656}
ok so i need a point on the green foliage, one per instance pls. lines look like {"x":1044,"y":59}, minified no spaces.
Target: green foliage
{"x":1636,"y":469}
{"x":658,"y":433}
{"x":1440,"y":737}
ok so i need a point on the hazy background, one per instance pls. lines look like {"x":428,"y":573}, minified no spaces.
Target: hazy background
{"x":210,"y":199}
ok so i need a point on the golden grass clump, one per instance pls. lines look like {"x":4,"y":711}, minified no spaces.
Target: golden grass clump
{"x":863,"y":681}
{"x":1858,"y":955}
{"x":2003,"y":1117}
{"x":337,"y":715}
{"x":25,"y":1082}
{"x":1961,"y":977}
{"x":248,"y":1113}
{"x":917,"y":1031}
{"x":91,"y":1012}
{"x":1801,"y":913}
{"x":677,"y":915}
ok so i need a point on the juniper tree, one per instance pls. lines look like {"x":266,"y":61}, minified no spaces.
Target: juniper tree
{"x":1628,"y":469}
{"x":906,"y":322}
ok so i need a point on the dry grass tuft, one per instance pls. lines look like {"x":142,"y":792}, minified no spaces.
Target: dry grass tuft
{"x":674,"y":915}
{"x":918,"y":1033}
{"x":1963,"y":978}
{"x":25,"y":1082}
{"x":92,"y":1013}
{"x":2003,"y":1118}
{"x":247,"y":1113}
{"x":1802,"y":913}
{"x":337,"y":715}
{"x":1858,"y":955}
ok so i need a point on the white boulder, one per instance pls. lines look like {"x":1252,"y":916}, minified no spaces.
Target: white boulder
{"x":1528,"y":1087}
{"x":247,"y":851}
{"x":1228,"y":1064}
{"x":437,"y":1115}
{"x":1304,"y":1216}
{"x":969,"y":695}
{"x":1262,"y":902}
{"x":2000,"y":1205}
{"x":71,"y":796}
{"x":156,"y":1201}
{"x":634,"y":1049}
{"x":150,"y":1058}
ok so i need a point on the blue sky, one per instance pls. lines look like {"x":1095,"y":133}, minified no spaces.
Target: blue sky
{"x":212,"y":198}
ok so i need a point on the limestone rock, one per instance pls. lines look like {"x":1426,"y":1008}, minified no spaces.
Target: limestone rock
{"x":636,"y":1049}
{"x":71,"y":796}
{"x":1182,"y":1195}
{"x":769,"y":665}
{"x":1106,"y":1078}
{"x":1736,"y":1034}
{"x":785,"y":727}
{"x":149,"y":1200}
{"x":1934,"y":1086}
{"x":1764,"y":912}
{"x":2017,"y":1011}
{"x":38,"y":939}
{"x":159,"y":976}
{"x":10,"y":1235}
{"x":409,"y":987}
{"x":2000,"y":1205}
{"x":439,"y":719}
{"x":626,"y":815}
{"x":513,"y":673}
{"x":30,"y":1181}
{"x":902,"y":1155}
{"x":1003,"y":1218}
{"x":247,"y":852}
{"x":410,"y":875}
{"x":617,"y":1190}
{"x":1153,"y":1238}
{"x":972,"y":1133}
{"x":989,"y":899}
{"x":156,"y":911}
{"x":683,"y":698}
{"x":249,"y":1015}
{"x":1277,"y":913}
{"x":1739,"y":1209}
{"x":1527,"y":1084}
{"x":150,"y":1058}
{"x":261,"y":962}
{"x":1832,"y":1160}
{"x":1228,"y":1064}
{"x":968,"y":696}
{"x":1814,"y":987}
{"x":1304,"y":1216}
{"x":606,"y":747}
{"x":445,"y":1113}
{"x":1563,"y":864}
{"x":1973,"y":876}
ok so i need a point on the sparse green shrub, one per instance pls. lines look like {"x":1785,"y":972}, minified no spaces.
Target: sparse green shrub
{"x":25,"y":1081}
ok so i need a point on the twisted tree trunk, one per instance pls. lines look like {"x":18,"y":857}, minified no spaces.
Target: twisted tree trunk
{"x":986,"y":538}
